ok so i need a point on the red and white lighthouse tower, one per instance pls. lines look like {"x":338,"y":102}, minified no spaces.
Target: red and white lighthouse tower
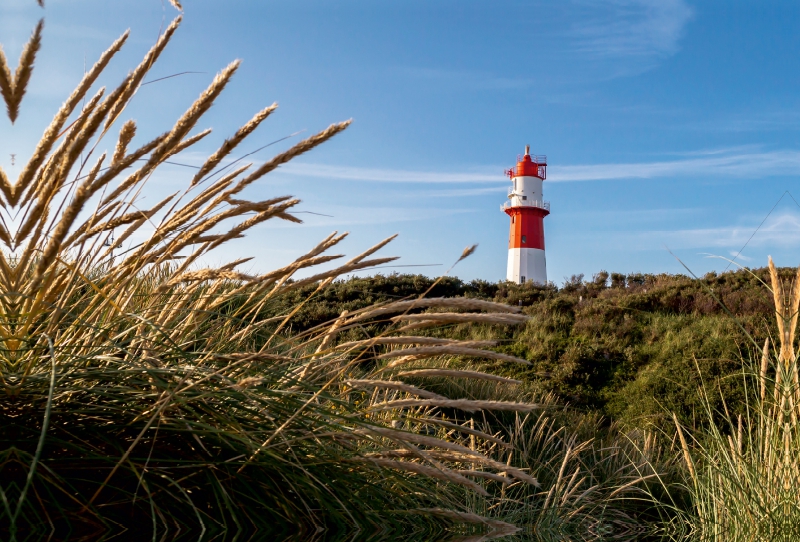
{"x":527,"y":209}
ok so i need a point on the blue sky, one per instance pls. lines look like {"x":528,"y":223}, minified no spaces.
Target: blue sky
{"x":668,"y":124}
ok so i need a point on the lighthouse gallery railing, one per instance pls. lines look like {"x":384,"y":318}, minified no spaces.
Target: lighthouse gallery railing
{"x":526,"y":203}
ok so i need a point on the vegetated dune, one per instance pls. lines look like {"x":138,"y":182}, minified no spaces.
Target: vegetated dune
{"x":633,"y":348}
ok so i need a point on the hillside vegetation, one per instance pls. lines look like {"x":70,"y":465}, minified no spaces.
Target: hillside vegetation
{"x":634,"y":348}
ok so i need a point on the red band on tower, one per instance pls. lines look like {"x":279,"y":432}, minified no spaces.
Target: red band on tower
{"x":527,"y":227}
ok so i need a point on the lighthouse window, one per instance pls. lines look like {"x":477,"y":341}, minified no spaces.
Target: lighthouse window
{"x":524,"y":197}
{"x":524,"y":240}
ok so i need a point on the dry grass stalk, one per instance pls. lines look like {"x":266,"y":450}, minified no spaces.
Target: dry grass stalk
{"x":230,"y":144}
{"x":467,"y":517}
{"x":687,"y":457}
{"x":463,"y":318}
{"x":372,"y":250}
{"x":764,"y":367}
{"x":393,"y":385}
{"x":432,"y":472}
{"x":131,"y":85}
{"x":410,"y":340}
{"x":51,"y":134}
{"x":462,"y":429}
{"x":410,"y":437}
{"x":468,"y":405}
{"x":486,"y":475}
{"x":467,"y":252}
{"x":457,"y":373}
{"x":122,"y":220}
{"x":248,"y":382}
{"x":301,"y":148}
{"x":421,"y":352}
{"x":456,"y":457}
{"x":462,"y":303}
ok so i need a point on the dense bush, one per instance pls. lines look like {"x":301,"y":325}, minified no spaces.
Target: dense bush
{"x":633,"y":348}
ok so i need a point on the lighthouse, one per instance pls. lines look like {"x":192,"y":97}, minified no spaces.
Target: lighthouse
{"x":527,"y":209}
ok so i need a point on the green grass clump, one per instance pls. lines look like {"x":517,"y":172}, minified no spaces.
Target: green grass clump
{"x":742,"y":473}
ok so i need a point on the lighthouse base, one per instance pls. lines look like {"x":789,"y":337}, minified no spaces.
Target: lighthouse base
{"x":527,"y":265}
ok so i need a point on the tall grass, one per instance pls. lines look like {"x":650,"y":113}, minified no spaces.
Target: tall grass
{"x":595,"y":479}
{"x":743,"y":473}
{"x":144,"y":391}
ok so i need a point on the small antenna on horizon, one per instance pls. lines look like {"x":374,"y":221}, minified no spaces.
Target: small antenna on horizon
{"x":109,"y":242}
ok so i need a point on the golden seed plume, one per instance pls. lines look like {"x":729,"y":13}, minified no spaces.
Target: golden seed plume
{"x":782,"y":315}
{"x":12,"y":88}
{"x":5,"y":186}
{"x":134,"y":80}
{"x":230,"y":144}
{"x":687,"y":457}
{"x":302,"y":147}
{"x":468,"y":252}
{"x":126,"y":134}
{"x":52,"y":132}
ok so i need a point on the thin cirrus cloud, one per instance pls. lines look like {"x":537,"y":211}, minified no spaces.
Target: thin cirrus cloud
{"x":737,"y":162}
{"x":733,"y":163}
{"x":638,"y":28}
{"x":475,"y":80}
{"x":342,"y":216}
{"x":781,"y":231}
{"x":612,"y":38}
{"x":349,"y":173}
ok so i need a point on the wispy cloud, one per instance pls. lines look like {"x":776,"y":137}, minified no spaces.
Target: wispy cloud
{"x":734,"y":163}
{"x":632,"y":216}
{"x":605,"y":38}
{"x":475,"y":80}
{"x":342,"y":216}
{"x":749,"y":120}
{"x":738,"y":162}
{"x":633,"y":28}
{"x":461,"y":192}
{"x":780,"y":231}
{"x":352,"y":173}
